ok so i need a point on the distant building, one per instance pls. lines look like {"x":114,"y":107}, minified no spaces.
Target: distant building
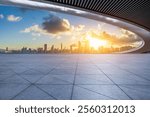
{"x":87,"y":46}
{"x":71,"y":48}
{"x":24,"y":50}
{"x":61,"y":47}
{"x":45,"y":47}
{"x":79,"y":46}
{"x":124,"y":48}
{"x":52,"y":48}
{"x":40,"y":50}
{"x":30,"y":50}
{"x":6,"y":49}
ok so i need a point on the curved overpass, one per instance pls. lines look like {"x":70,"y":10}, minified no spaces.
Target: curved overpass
{"x":132,"y":15}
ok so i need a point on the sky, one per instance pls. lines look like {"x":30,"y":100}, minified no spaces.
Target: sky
{"x":32,"y":28}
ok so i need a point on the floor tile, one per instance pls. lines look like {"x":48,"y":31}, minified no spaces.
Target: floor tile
{"x":138,"y":92}
{"x":33,"y":93}
{"x":92,"y":79}
{"x":82,"y":94}
{"x":8,"y":91}
{"x":62,"y":92}
{"x":108,"y":90}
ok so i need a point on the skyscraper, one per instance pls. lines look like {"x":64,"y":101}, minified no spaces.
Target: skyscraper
{"x":79,"y":46}
{"x":61,"y":47}
{"x":52,"y":48}
{"x":6,"y":48}
{"x":45,"y":47}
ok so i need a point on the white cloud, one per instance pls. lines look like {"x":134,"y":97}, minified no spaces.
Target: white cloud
{"x":35,"y":30}
{"x":13,"y":18}
{"x":1,"y":16}
{"x":80,"y":27}
{"x":101,"y":25}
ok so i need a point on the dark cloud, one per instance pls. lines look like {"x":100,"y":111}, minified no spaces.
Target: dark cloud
{"x":55,"y":25}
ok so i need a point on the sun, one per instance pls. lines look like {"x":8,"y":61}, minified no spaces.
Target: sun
{"x":96,"y":43}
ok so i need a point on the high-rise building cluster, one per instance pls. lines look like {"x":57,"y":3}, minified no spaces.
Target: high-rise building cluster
{"x":79,"y":47}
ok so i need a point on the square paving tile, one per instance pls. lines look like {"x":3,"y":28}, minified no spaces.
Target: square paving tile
{"x":73,"y":76}
{"x":8,"y":91}
{"x":62,"y":92}
{"x":92,"y":79}
{"x":15,"y":79}
{"x":33,"y":93}
{"x":62,"y":71}
{"x":108,"y":90}
{"x":52,"y":79}
{"x":128,"y":79}
{"x":137,"y":92}
{"x":82,"y":94}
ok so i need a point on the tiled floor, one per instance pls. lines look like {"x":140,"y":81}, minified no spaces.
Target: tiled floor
{"x":124,"y":76}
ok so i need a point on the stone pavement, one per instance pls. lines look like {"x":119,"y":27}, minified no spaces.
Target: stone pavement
{"x":74,"y":77}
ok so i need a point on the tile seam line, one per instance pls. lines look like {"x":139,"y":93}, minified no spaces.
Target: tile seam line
{"x":45,"y":92}
{"x":96,"y":92}
{"x":21,"y":92}
{"x":141,"y":77}
{"x":30,"y":84}
{"x":74,"y":77}
{"x":113,"y":81}
{"x":48,"y":72}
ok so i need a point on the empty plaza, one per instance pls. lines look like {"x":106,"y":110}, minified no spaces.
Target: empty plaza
{"x":74,"y":76}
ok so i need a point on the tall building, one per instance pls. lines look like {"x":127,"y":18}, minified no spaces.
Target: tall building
{"x":70,"y":48}
{"x":40,"y":50}
{"x":6,"y":48}
{"x":24,"y":50}
{"x":52,"y":48}
{"x":79,"y":46}
{"x":87,"y":46}
{"x":61,"y":47}
{"x":45,"y":47}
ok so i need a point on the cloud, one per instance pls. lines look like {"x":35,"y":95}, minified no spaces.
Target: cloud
{"x":101,"y":25}
{"x":13,"y":18}
{"x":56,"y":25}
{"x":53,"y":26}
{"x":35,"y":30}
{"x":126,"y":37}
{"x":1,"y":16}
{"x":80,"y":27}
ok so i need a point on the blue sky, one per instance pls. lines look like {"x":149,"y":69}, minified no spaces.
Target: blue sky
{"x":14,"y":21}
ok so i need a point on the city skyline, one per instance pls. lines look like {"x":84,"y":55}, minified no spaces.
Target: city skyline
{"x":80,"y":48}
